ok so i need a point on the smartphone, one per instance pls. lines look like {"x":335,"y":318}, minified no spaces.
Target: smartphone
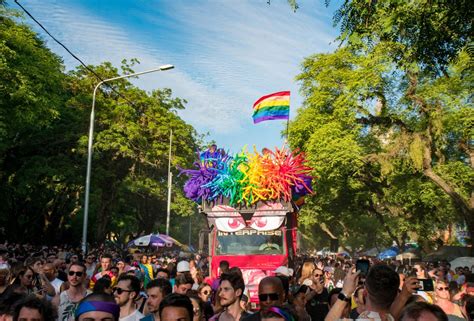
{"x":363,"y":266}
{"x":426,"y":285}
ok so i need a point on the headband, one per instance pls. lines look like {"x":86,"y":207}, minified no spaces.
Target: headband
{"x":285,"y":315}
{"x":88,"y":306}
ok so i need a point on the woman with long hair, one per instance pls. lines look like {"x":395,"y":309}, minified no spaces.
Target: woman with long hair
{"x":306,"y":271}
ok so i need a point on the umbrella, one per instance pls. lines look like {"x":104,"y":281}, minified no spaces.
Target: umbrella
{"x":407,"y":256}
{"x":462,"y":262}
{"x":388,"y":254}
{"x":156,"y":240}
{"x":371,"y":252}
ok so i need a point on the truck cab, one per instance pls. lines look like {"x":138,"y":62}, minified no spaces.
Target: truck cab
{"x":257,"y":239}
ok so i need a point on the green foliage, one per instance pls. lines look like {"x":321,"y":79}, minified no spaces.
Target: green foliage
{"x":389,"y":139}
{"x":44,"y":122}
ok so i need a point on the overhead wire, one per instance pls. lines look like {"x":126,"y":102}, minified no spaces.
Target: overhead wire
{"x":71,"y":53}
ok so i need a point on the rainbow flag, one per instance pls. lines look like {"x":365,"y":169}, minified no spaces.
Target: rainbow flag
{"x":273,"y":106}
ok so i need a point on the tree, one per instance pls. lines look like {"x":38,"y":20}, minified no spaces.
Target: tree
{"x":368,"y":138}
{"x":44,"y":122}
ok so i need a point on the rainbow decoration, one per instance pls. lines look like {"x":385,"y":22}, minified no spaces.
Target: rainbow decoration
{"x":247,"y":178}
{"x":273,"y":106}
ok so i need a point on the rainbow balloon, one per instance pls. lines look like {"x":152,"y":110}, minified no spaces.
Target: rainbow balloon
{"x":247,"y":178}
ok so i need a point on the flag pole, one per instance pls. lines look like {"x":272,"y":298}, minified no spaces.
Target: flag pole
{"x":288,"y":126}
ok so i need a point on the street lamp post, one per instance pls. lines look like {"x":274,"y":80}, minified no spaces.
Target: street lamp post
{"x":170,"y":180}
{"x":89,"y":147}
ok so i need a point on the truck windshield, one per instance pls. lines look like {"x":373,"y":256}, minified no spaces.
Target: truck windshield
{"x":250,"y":241}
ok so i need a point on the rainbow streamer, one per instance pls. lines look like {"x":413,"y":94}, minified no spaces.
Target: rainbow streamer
{"x":247,"y":178}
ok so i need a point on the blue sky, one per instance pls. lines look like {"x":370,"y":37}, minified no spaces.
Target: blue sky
{"x":227,"y":54}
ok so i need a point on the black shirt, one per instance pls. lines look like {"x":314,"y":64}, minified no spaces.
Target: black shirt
{"x":318,"y":306}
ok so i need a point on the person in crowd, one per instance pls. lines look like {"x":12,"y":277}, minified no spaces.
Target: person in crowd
{"x":420,"y":271}
{"x":334,"y":296}
{"x":204,"y":291}
{"x":198,"y":305}
{"x":299,"y":302}
{"x":382,"y":285}
{"x":103,"y":285}
{"x":443,"y":300}
{"x":60,"y":266}
{"x":183,"y":267}
{"x":5,"y":276}
{"x":24,"y":280}
{"x":146,"y":269}
{"x":104,"y":269}
{"x":284,"y":271}
{"x":50,"y":272}
{"x":230,"y":293}
{"x":183,"y":283}
{"x":341,"y":304}
{"x":328,"y":278}
{"x":176,"y":307}
{"x":359,"y":300}
{"x":244,"y":303}
{"x":306,"y":272}
{"x":33,"y":308}
{"x":277,"y":314}
{"x":223,"y":268}
{"x":468,"y":307}
{"x":162,"y":273}
{"x":97,"y":307}
{"x":318,"y":297}
{"x":422,"y":311}
{"x":156,"y":290}
{"x":125,"y":293}
{"x":91,"y":265}
{"x":69,"y":299}
{"x":39,"y":281}
{"x":270,"y":294}
{"x":7,"y":304}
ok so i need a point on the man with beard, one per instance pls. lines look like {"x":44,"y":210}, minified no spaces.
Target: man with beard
{"x":156,"y":290}
{"x":69,"y":299}
{"x":125,"y":293}
{"x":230,"y":293}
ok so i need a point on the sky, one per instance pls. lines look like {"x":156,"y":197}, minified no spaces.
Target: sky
{"x":226,"y":54}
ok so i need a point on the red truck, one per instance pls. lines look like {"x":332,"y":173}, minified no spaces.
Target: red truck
{"x":257,"y":239}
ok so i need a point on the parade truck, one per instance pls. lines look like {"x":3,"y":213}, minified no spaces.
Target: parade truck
{"x":250,"y":201}
{"x":258,"y":239}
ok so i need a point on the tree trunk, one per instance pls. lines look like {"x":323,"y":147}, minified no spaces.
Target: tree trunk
{"x":463,"y":207}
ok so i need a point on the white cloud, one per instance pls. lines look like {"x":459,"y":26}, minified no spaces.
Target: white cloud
{"x":227,"y":53}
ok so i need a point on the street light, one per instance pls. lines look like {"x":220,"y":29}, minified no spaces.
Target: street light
{"x":89,"y":147}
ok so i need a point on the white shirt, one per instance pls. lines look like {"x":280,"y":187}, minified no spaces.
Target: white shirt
{"x":56,"y":283}
{"x":135,"y":316}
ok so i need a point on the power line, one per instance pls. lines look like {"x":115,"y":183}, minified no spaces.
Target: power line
{"x":71,"y":53}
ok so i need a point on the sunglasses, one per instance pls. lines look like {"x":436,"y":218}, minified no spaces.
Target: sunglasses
{"x":77,"y":273}
{"x":119,"y":290}
{"x":29,"y":276}
{"x":443,"y":289}
{"x":317,"y":275}
{"x":266,"y":296}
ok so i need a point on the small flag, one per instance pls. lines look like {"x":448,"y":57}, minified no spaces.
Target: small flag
{"x":273,"y":106}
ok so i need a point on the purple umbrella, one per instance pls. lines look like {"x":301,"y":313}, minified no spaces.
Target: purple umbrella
{"x":155,"y":240}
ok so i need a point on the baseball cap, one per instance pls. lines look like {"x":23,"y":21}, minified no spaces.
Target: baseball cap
{"x":183,"y":266}
{"x":283,"y":270}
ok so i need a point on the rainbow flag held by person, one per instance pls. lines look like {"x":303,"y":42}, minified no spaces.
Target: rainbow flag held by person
{"x":273,"y":106}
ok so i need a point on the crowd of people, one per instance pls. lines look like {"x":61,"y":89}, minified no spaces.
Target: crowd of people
{"x":59,"y":283}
